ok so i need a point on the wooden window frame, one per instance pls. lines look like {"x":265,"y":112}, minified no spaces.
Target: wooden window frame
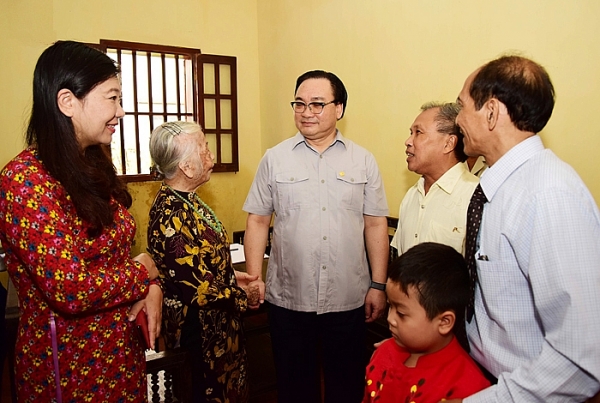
{"x":198,"y":60}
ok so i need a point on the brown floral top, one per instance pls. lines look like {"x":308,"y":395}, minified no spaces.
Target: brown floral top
{"x":200,"y":291}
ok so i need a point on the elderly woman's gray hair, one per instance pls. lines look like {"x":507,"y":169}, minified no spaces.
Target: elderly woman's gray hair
{"x":169,"y":146}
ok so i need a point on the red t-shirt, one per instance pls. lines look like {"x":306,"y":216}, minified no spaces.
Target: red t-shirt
{"x":446,"y":374}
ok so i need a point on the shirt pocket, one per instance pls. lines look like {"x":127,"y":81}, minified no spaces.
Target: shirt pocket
{"x":293,"y":189}
{"x":351,"y":188}
{"x":447,"y":235}
{"x":502,"y":284}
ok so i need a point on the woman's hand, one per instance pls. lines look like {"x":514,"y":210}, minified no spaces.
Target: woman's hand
{"x":257,"y":289}
{"x":148,"y":263}
{"x":152,"y":305}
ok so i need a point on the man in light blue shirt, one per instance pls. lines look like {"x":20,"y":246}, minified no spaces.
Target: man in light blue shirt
{"x":537,"y":296}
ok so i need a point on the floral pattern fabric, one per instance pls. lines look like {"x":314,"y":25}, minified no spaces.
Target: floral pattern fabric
{"x":86,"y":285}
{"x":200,"y":292}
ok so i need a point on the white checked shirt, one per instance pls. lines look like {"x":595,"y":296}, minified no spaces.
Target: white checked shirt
{"x":537,"y":302}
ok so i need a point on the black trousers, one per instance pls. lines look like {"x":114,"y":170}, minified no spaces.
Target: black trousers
{"x":304,"y":344}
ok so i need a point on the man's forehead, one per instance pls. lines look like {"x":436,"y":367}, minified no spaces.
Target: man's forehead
{"x":315,"y":88}
{"x":468,"y":81}
{"x":426,"y":117}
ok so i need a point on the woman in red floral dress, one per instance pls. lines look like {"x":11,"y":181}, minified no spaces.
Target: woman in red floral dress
{"x":67,"y":235}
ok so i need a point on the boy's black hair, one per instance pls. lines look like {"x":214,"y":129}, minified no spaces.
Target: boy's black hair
{"x":440,"y":275}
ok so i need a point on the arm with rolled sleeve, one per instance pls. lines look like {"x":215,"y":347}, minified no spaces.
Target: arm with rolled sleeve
{"x":259,"y":205}
{"x":376,"y":238}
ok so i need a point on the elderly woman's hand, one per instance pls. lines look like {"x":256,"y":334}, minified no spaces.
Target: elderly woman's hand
{"x":148,"y":263}
{"x":152,"y":305}
{"x":256,"y":294}
{"x":253,"y":292}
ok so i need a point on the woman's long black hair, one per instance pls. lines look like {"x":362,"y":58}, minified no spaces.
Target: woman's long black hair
{"x":88,"y":175}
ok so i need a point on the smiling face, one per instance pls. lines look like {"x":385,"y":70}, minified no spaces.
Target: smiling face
{"x":408,"y":322}
{"x":425,"y":145}
{"x":316,"y":127}
{"x":96,"y":115}
{"x":472,"y":122}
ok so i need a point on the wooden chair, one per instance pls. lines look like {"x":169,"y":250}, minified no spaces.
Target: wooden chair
{"x":170,"y":376}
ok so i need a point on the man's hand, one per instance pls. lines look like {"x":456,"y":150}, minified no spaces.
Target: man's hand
{"x":255,"y":241}
{"x":244,"y":279}
{"x":375,"y":304}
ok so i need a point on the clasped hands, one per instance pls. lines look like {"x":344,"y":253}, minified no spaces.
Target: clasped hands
{"x":254,"y":287}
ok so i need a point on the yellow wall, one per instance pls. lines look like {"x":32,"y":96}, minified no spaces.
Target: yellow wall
{"x":229,"y":27}
{"x":393,"y":55}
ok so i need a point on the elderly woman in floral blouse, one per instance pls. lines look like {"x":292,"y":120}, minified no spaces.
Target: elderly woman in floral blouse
{"x":203,"y":302}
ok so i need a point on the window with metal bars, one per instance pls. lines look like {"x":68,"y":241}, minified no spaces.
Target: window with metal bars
{"x":167,"y":83}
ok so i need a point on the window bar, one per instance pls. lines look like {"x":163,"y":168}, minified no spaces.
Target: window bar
{"x":164,"y":85}
{"x":122,"y":125}
{"x":178,"y":87}
{"x":218,"y":110}
{"x":150,"y":112}
{"x":135,"y":97}
{"x":197,"y":71}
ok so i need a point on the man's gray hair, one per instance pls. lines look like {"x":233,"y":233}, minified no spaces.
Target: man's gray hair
{"x":446,"y":123}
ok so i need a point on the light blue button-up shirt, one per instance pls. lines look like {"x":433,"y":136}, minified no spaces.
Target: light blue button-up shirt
{"x":537,"y":303}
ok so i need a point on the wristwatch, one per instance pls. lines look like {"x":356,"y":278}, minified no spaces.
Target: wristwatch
{"x":377,"y":286}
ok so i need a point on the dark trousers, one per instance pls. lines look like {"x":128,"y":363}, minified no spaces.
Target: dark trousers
{"x":304,"y":343}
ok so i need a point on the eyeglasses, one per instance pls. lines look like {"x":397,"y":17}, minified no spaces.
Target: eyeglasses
{"x":314,"y":107}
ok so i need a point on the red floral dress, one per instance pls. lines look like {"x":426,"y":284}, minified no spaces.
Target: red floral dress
{"x":86,"y":285}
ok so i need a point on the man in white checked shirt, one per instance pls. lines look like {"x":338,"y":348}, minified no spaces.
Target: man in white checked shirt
{"x":537,"y":297}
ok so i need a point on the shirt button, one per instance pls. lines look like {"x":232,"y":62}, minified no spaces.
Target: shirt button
{"x":322,"y":180}
{"x":422,"y":206}
{"x":321,"y":156}
{"x":324,"y":238}
{"x":324,"y":267}
{"x":324,"y":208}
{"x":352,"y":180}
{"x":416,"y":235}
{"x":292,"y":178}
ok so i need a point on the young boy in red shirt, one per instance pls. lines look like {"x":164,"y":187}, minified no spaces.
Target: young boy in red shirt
{"x":423,"y":362}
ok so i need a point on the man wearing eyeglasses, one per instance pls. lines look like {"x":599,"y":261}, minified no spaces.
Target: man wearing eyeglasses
{"x":330,"y":207}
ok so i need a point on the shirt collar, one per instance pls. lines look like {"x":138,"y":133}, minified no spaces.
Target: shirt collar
{"x":299,"y":138}
{"x":448,"y":180}
{"x":494,"y":176}
{"x":437,"y":359}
